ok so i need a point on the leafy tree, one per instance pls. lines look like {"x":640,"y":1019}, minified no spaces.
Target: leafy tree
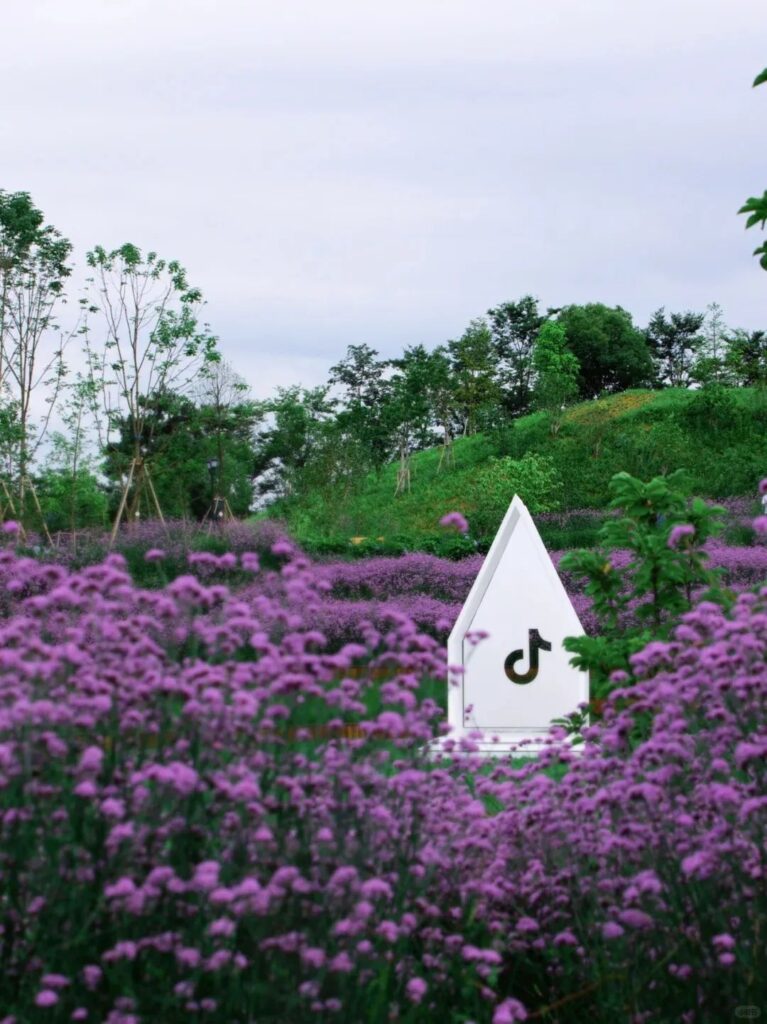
{"x":67,"y":498}
{"x":711,"y":366}
{"x":612,"y":354}
{"x":293,"y":427}
{"x":168,"y":432}
{"x":746,"y":358}
{"x":674,"y":342}
{"x":556,"y":369}
{"x":179,"y":439}
{"x":514,"y":327}
{"x":473,"y":364}
{"x":34,"y":267}
{"x":153,"y":346}
{"x":10,"y":438}
{"x":227,"y":416}
{"x":409,"y":409}
{"x":756,"y":207}
{"x":71,"y":459}
{"x":441,"y":391}
{"x":361,"y":420}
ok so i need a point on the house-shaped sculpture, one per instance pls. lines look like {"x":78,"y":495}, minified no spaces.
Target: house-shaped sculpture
{"x":518,"y":678}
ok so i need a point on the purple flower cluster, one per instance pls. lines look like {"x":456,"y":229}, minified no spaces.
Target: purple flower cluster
{"x":208,"y":812}
{"x":455,"y":520}
{"x":171,"y":540}
{"x":431,"y":590}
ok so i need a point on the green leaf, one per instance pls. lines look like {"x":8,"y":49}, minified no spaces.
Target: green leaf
{"x":761,"y":78}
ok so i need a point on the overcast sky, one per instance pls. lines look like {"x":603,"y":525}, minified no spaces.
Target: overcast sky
{"x":335,"y":172}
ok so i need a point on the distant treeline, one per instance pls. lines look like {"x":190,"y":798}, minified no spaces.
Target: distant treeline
{"x":515,"y":360}
{"x":153,"y":410}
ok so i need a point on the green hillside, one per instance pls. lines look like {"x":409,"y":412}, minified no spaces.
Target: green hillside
{"x":718,"y":434}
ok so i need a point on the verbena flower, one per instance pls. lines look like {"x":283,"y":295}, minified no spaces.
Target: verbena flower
{"x":203,"y":788}
{"x":456,"y":520}
{"x":679,"y":534}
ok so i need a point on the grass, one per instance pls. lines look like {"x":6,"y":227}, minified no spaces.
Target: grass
{"x":719,"y":437}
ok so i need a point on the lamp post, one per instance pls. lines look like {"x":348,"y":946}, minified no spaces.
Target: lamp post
{"x":213,"y":470}
{"x":215,"y":500}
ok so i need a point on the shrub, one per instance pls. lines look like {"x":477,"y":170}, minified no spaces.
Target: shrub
{"x":533,"y":477}
{"x":664,"y":532}
{"x":713,"y":408}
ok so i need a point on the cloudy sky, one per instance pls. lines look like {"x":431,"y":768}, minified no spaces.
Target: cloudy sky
{"x":339,"y":172}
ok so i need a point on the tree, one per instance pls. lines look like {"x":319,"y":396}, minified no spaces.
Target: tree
{"x":361,"y":422}
{"x":70,"y":486}
{"x":612,"y":354}
{"x":514,"y":327}
{"x":674,"y":343}
{"x":711,"y":365}
{"x":180,"y":441}
{"x":556,"y":369}
{"x":409,"y":410}
{"x":747,"y":357}
{"x":153,"y":345}
{"x":227,"y":416}
{"x":756,"y":207}
{"x":294,"y":425}
{"x":69,"y":501}
{"x":34,"y":266}
{"x":169,"y":434}
{"x":473,"y":365}
{"x":440,"y":388}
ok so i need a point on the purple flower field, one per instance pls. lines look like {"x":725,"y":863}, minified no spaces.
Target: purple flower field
{"x":214,"y":808}
{"x":431,"y":590}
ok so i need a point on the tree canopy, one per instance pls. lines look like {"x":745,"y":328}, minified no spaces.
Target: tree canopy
{"x":612,"y":353}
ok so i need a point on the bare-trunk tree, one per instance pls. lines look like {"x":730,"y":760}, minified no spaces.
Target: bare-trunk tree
{"x":221,"y":392}
{"x":34,"y":265}
{"x":153,"y":343}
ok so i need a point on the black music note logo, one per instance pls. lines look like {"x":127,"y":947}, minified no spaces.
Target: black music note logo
{"x":535,"y":643}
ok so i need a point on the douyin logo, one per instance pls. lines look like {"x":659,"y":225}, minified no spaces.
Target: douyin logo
{"x":536,"y":643}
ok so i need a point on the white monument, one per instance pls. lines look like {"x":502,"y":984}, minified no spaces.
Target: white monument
{"x":519,"y":678}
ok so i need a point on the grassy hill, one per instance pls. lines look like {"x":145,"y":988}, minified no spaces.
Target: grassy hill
{"x":718,"y":435}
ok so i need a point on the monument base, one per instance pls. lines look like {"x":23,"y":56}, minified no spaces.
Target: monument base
{"x":508,"y":743}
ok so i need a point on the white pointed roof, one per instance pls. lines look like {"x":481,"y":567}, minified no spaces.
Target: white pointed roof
{"x":516,"y":597}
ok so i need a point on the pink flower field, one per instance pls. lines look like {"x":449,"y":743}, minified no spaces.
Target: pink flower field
{"x":216,"y":805}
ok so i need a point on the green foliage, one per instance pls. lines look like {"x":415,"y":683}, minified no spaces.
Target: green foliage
{"x":712,"y":366}
{"x":649,"y":434}
{"x":674,"y":342}
{"x":154,"y":344}
{"x":28,"y":244}
{"x":293,"y":427}
{"x":612,"y":354}
{"x":533,"y":477}
{"x":755,"y":208}
{"x":664,"y":531}
{"x":746,"y":358}
{"x":66,"y":498}
{"x":34,"y":267}
{"x":473,"y":361}
{"x":514,"y":327}
{"x":408,"y":408}
{"x":713,"y":408}
{"x":178,"y":439}
{"x":645,"y":433}
{"x":556,"y":368}
{"x":362,"y":424}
